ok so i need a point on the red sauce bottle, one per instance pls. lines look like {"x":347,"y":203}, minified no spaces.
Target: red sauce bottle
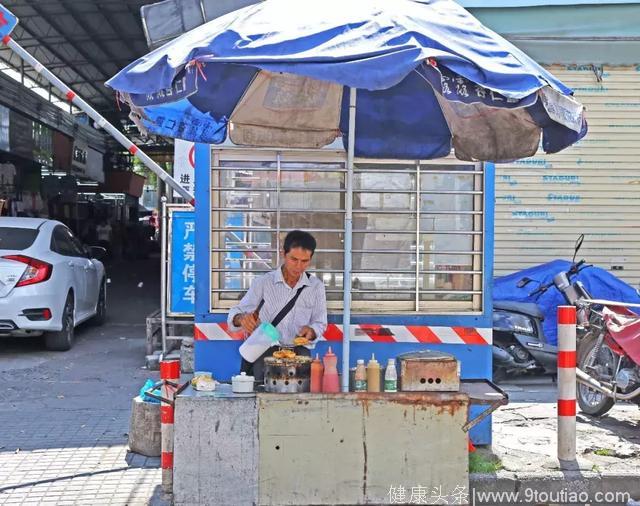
{"x":330,"y":380}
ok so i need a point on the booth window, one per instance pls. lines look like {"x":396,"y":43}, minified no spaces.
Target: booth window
{"x":418,"y":227}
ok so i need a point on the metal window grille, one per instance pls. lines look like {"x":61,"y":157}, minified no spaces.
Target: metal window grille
{"x":418,"y":227}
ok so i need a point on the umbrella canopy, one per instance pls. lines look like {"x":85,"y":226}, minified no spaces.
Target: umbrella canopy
{"x":430,"y":78}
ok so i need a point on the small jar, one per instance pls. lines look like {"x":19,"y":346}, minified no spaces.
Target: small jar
{"x":242,"y":384}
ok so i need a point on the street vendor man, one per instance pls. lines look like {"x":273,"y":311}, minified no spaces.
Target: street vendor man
{"x":289,"y":298}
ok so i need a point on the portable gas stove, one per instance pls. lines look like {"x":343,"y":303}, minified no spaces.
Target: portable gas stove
{"x":287,"y":375}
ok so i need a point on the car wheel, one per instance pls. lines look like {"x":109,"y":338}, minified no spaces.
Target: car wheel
{"x":101,"y":307}
{"x":63,"y":339}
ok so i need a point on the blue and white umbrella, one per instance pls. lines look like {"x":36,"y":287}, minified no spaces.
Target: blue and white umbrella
{"x":430,"y":79}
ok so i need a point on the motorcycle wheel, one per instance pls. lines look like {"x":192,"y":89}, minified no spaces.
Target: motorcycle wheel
{"x":591,"y":401}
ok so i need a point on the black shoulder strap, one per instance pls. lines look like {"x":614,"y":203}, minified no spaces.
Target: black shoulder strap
{"x":285,"y":310}
{"x":288,"y":307}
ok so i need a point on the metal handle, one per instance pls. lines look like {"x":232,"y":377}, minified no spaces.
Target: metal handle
{"x":178,"y":389}
{"x":494,"y":403}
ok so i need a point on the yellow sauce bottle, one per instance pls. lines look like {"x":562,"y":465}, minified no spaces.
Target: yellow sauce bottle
{"x":373,"y":375}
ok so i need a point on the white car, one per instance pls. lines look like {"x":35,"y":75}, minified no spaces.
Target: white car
{"x":49,"y":281}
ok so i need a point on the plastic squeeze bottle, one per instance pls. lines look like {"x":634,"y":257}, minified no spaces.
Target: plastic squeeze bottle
{"x":316,"y":375}
{"x":330,"y":381}
{"x":361,"y":376}
{"x":373,"y":375}
{"x":391,"y":376}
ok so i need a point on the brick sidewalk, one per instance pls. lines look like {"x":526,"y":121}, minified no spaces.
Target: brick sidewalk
{"x":70,"y":458}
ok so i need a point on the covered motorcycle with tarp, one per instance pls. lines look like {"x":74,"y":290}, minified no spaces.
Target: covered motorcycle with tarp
{"x":599,"y":283}
{"x":608,"y":349}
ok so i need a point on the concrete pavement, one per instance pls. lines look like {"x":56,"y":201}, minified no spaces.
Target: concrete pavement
{"x":65,"y":416}
{"x":524,"y":441}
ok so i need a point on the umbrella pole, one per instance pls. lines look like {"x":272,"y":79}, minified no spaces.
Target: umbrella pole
{"x":348,"y":236}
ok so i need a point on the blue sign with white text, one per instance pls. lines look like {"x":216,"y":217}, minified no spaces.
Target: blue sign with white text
{"x":182,"y":296}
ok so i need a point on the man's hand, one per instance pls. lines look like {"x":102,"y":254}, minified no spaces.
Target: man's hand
{"x":307,"y":332}
{"x":248,"y":321}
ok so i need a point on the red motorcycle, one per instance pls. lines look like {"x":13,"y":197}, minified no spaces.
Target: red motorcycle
{"x":609,"y":360}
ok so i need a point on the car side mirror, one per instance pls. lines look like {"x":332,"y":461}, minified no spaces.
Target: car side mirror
{"x":97,"y":252}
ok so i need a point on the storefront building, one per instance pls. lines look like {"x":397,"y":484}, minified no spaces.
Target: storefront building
{"x":45,"y":157}
{"x":543,"y":203}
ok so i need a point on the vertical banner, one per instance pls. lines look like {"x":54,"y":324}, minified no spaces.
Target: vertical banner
{"x":184,"y":164}
{"x":4,"y":128}
{"x":182,"y":263}
{"x":21,"y":135}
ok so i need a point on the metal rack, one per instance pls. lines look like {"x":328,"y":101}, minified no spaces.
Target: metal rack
{"x":165,"y":327}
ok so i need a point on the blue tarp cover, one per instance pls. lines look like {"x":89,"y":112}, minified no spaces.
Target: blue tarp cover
{"x":600,"y":283}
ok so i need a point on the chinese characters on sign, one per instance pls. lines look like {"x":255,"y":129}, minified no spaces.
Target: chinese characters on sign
{"x":182,"y":264}
{"x":424,"y":495}
{"x":184,"y":85}
{"x":459,"y":89}
{"x":184,"y":164}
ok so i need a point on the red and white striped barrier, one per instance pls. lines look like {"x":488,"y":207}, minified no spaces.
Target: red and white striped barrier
{"x":567,"y":383}
{"x":169,"y":370}
{"x":370,"y":333}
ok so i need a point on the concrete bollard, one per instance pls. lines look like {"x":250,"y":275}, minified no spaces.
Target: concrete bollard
{"x":169,"y":370}
{"x":144,"y":428}
{"x":566,"y":384}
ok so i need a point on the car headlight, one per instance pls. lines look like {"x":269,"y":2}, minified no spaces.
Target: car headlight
{"x":513,"y":322}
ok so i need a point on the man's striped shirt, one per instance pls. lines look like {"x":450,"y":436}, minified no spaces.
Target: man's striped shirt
{"x":310,"y":308}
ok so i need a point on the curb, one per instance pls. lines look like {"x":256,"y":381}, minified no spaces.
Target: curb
{"x":568,"y":487}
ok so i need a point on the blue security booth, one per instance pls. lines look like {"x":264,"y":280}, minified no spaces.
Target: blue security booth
{"x":422,"y":251}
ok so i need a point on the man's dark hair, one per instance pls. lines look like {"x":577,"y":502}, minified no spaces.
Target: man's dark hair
{"x":299,"y":239}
